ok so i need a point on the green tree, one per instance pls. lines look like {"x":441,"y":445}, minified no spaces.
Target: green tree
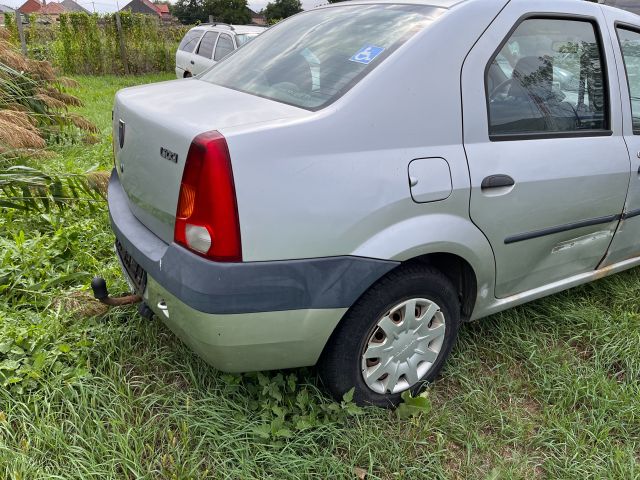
{"x":228,"y":11}
{"x":280,"y":9}
{"x":198,"y":11}
{"x":189,"y":11}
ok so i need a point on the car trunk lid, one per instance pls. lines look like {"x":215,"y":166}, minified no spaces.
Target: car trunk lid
{"x":153,"y":127}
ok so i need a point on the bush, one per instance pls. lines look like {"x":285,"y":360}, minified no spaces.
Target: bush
{"x":89,"y":44}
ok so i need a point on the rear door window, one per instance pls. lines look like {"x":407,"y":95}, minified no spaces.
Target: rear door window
{"x":311,"y":59}
{"x":553,"y":80}
{"x":630,"y":45}
{"x":224,"y":47}
{"x":205,"y":49}
{"x":190,"y":40}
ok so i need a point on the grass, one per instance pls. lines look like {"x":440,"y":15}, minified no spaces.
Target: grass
{"x":547,"y":390}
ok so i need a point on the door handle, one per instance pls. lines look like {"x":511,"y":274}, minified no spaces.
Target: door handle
{"x":192,"y":62}
{"x":497,"y":181}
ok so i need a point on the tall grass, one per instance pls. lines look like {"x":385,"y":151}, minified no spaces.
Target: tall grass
{"x":90,"y":44}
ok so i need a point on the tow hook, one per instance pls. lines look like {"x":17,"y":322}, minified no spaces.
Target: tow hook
{"x":100,"y":292}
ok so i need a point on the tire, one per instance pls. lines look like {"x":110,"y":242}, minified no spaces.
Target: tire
{"x":404,"y":342}
{"x":187,"y":75}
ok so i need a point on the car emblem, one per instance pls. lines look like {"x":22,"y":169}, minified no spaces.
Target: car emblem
{"x":121,"y":133}
{"x":168,"y":155}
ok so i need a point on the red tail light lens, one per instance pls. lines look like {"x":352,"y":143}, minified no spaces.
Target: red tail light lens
{"x":207,"y":216}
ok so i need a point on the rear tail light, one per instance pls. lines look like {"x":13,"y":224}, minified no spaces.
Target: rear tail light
{"x":207,"y":217}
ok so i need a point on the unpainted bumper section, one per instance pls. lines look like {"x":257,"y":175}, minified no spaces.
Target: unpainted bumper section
{"x":247,"y":341}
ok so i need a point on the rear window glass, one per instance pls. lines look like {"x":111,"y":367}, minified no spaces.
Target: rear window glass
{"x":312,"y":58}
{"x":190,"y":40}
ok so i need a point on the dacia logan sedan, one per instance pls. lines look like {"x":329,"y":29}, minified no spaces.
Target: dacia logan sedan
{"x":397,"y":170}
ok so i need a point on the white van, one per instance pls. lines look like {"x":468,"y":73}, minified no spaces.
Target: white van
{"x":205,"y":44}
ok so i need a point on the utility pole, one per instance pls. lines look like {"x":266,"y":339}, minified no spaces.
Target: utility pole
{"x":123,"y":50}
{"x":23,"y":42}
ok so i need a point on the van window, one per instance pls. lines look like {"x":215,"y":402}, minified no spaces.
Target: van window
{"x":314,"y":57}
{"x":224,"y":47}
{"x":552,"y":80}
{"x":190,"y":40}
{"x":205,"y":49}
{"x":630,"y":45}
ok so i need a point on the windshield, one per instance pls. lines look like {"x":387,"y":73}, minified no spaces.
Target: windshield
{"x":243,"y":38}
{"x":312,"y":58}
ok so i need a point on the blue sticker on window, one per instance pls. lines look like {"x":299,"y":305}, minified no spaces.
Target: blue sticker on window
{"x":367,"y":54}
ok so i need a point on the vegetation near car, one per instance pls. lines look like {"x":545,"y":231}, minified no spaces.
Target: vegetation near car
{"x":90,"y":44}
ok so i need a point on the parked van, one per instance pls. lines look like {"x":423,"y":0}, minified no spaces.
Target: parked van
{"x":398,"y":169}
{"x":204,"y":45}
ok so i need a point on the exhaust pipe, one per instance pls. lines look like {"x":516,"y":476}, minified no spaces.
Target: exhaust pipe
{"x":100,"y":293}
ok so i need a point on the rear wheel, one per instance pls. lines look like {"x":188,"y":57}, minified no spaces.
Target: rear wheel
{"x":187,"y":75}
{"x":396,"y":337}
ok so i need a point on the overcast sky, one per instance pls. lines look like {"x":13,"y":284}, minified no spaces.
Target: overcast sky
{"x":112,"y":5}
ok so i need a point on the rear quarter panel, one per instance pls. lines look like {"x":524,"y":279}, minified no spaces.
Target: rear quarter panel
{"x":336,"y":182}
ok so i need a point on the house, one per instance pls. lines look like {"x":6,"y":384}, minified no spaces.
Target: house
{"x":51,"y":12}
{"x":4,"y":9}
{"x":257,"y":18}
{"x":163,"y":8}
{"x":71,"y":6}
{"x":30,"y":6}
{"x":632,"y":6}
{"x":142,"y":6}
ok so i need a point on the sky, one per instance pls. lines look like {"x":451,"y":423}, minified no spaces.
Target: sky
{"x":104,"y":6}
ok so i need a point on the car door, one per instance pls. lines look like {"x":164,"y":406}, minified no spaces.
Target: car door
{"x":184,"y":55}
{"x":625,"y":32}
{"x":202,"y":59}
{"x":548,"y":165}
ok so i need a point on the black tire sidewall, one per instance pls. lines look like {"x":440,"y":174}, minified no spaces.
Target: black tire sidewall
{"x":341,"y":366}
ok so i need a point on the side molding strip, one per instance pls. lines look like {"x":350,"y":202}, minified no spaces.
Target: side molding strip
{"x":564,"y":228}
{"x":631,"y":214}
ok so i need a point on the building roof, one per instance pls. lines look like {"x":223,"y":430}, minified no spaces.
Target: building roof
{"x":71,"y":6}
{"x":51,"y":8}
{"x":30,"y":6}
{"x":163,"y":8}
{"x":5,"y":9}
{"x":145,"y":4}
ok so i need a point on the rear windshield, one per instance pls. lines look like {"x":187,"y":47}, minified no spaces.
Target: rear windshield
{"x":189,"y":41}
{"x":243,"y":38}
{"x":312,"y":58}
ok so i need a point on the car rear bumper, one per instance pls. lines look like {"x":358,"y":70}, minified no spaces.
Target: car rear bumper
{"x":243,"y":316}
{"x":248,"y":341}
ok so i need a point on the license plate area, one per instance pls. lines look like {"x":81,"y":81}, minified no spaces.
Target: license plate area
{"x":136,"y":276}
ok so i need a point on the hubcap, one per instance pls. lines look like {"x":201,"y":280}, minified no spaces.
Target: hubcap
{"x":403,"y":346}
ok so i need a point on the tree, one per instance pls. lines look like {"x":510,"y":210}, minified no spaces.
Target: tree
{"x":279,"y":9}
{"x":198,"y":11}
{"x":189,"y":11}
{"x":228,"y":11}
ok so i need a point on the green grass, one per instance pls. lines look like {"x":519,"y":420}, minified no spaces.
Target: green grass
{"x":547,"y":390}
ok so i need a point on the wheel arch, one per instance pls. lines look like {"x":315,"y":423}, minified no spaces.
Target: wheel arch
{"x":459,"y":271}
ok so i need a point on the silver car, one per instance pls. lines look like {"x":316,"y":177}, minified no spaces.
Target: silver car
{"x":399,"y":169}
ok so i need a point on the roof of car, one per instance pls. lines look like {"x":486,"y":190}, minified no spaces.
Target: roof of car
{"x":238,"y":29}
{"x":432,"y":3}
